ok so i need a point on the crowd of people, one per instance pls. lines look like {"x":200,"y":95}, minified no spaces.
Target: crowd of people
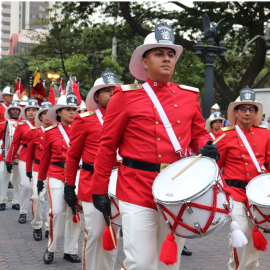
{"x":64,"y":155}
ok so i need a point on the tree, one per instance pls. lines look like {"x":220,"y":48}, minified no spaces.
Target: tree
{"x":244,"y":20}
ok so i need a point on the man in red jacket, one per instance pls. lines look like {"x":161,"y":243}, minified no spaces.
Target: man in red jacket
{"x":35,"y":146}
{"x":148,"y":123}
{"x":244,"y":153}
{"x":12,"y":113}
{"x":84,"y":143}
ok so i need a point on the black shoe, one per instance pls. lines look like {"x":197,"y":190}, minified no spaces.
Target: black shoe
{"x":265,"y":231}
{"x":37,"y":234}
{"x":16,"y":206}
{"x":22,"y":218}
{"x":48,"y":257}
{"x":186,"y":252}
{"x":10,"y":185}
{"x":46,"y":234}
{"x":72,"y":258}
{"x":2,"y":207}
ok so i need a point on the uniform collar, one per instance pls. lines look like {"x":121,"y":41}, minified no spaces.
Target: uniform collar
{"x":102,"y":111}
{"x":246,"y":130}
{"x":66,"y":127}
{"x":157,"y":85}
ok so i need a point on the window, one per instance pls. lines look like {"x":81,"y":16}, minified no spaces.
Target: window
{"x":6,"y":31}
{"x":4,"y":49}
{"x":6,"y":23}
{"x":6,"y":6}
{"x":6,"y":15}
{"x":5,"y":40}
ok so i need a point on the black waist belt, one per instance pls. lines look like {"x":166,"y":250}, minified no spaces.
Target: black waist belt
{"x":235,"y":183}
{"x":59,"y":164}
{"x":88,"y":167}
{"x":24,"y":145}
{"x":37,"y":161}
{"x":141,"y":165}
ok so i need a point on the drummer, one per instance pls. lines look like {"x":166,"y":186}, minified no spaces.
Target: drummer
{"x":214,"y":124}
{"x":7,"y":95}
{"x":20,"y":139}
{"x":241,"y":165}
{"x":133,"y":123}
{"x":35,"y":146}
{"x":84,"y":143}
{"x":13,"y":112}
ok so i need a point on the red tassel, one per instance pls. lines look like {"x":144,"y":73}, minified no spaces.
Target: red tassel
{"x":107,"y":239}
{"x":74,"y":219}
{"x":169,"y":250}
{"x":260,"y":243}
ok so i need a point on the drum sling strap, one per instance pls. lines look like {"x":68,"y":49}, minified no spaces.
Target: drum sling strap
{"x":212,"y":135}
{"x":4,"y":105}
{"x":213,"y":209}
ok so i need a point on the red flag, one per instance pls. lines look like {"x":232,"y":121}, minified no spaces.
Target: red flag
{"x":21,"y":89}
{"x":51,"y":96}
{"x":17,"y":88}
{"x":38,"y":90}
{"x":77,"y":92}
{"x":62,"y":88}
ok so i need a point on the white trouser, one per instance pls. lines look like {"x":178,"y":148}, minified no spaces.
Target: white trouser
{"x":94,"y":256}
{"x":25,"y":193}
{"x":5,"y":177}
{"x":246,"y":257}
{"x":60,"y":216}
{"x":38,"y":210}
{"x":144,"y":231}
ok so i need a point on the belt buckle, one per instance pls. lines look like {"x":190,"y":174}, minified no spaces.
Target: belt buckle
{"x":65,"y":165}
{"x":163,"y":166}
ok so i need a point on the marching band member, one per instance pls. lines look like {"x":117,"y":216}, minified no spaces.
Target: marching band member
{"x":84,"y":143}
{"x":7,"y":95}
{"x":20,"y":139}
{"x":148,"y":123}
{"x":13,"y":112}
{"x":35,"y":146}
{"x":53,"y":166}
{"x":243,"y":152}
{"x":214,"y":124}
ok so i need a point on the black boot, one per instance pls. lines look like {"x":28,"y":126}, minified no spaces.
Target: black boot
{"x":72,"y":258}
{"x":10,"y":185}
{"x":22,"y":218}
{"x":46,"y":234}
{"x":186,"y":252}
{"x":48,"y":257}
{"x":37,"y":234}
{"x":16,"y":206}
{"x":2,"y":207}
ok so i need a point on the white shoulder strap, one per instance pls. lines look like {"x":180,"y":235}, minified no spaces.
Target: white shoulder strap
{"x":43,"y":129}
{"x":4,"y":105}
{"x":164,"y":118}
{"x":64,"y":134}
{"x":247,"y":145}
{"x":29,"y":124}
{"x":99,"y":115}
{"x":212,"y":135}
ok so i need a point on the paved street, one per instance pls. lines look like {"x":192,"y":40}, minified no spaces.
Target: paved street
{"x":18,"y":250}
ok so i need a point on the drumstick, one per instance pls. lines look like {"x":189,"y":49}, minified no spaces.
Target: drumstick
{"x":111,"y":231}
{"x":195,"y":159}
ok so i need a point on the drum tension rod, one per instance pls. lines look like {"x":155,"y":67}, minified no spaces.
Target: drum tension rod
{"x":189,"y":209}
{"x":226,"y":206}
{"x":198,"y":228}
{"x":219,"y":189}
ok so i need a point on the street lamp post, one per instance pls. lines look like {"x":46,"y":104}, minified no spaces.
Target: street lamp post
{"x":95,"y":59}
{"x":30,"y":85}
{"x":210,"y":52}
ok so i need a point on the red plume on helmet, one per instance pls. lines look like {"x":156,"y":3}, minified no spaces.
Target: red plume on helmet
{"x":76,"y":91}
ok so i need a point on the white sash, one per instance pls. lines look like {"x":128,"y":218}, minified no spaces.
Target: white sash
{"x":29,"y":124}
{"x":5,"y":106}
{"x":164,"y":118}
{"x":43,"y":129}
{"x":212,"y":135}
{"x":247,"y":145}
{"x":99,"y":116}
{"x":64,"y":134}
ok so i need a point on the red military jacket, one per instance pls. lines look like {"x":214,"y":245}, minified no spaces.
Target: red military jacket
{"x":55,"y":150}
{"x":235,"y":159}
{"x":20,"y":138}
{"x":2,"y":112}
{"x":84,"y":143}
{"x":133,"y":124}
{"x":35,"y":146}
{"x":2,"y":129}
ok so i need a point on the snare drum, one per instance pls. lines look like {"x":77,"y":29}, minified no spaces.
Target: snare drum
{"x":258,"y":193}
{"x":115,"y":215}
{"x":196,"y":202}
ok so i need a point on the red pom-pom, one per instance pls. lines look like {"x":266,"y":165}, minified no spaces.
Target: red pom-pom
{"x":260,"y":243}
{"x":169,"y":250}
{"x":74,"y":219}
{"x":107,"y":239}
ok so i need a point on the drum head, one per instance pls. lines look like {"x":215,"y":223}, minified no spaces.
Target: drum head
{"x":113,"y":182}
{"x":258,"y":190}
{"x":194,"y":180}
